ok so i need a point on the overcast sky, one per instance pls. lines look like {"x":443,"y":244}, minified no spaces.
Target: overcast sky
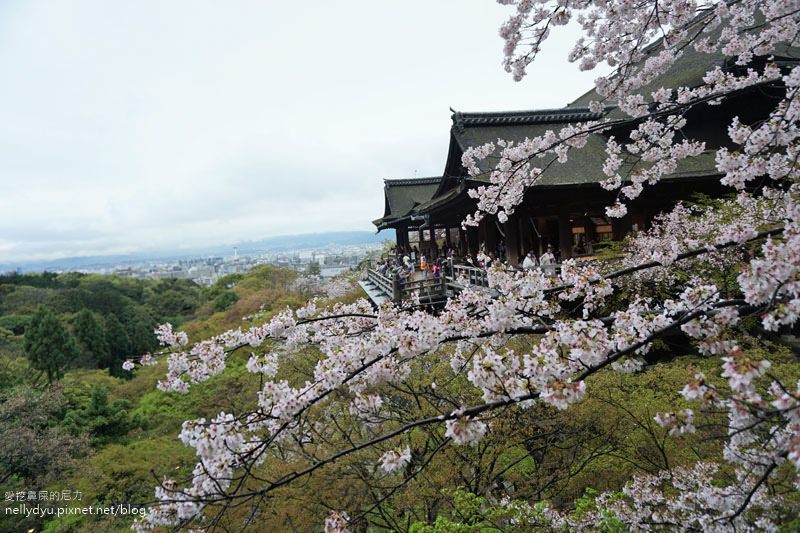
{"x":152,"y":125}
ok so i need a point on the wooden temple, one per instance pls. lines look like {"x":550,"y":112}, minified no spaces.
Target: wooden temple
{"x":565,"y":207}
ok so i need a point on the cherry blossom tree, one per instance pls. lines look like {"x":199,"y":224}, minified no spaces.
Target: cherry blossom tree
{"x":575,"y":332}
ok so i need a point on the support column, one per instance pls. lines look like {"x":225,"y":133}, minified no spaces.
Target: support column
{"x":588,"y":235}
{"x":544,"y":235}
{"x":526,"y":235}
{"x":402,"y":237}
{"x":620,"y":227}
{"x":511,"y":229}
{"x":492,"y":236}
{"x":463,"y":245}
{"x":564,"y":235}
{"x":432,"y":252}
{"x":482,"y":233}
{"x":638,"y":220}
{"x":472,"y":235}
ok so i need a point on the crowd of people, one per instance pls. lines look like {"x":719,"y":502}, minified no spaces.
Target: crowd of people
{"x":547,"y":261}
{"x":403,"y":263}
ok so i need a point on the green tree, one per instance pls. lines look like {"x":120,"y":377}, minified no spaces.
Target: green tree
{"x":225,"y":301}
{"x":35,"y":451}
{"x":48,"y":345}
{"x":175,"y":302}
{"x":140,"y":325}
{"x":15,"y":323}
{"x":91,"y":338}
{"x":105,"y":421}
{"x":119,"y":346}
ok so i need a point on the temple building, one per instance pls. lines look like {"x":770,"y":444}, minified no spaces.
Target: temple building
{"x":403,"y":197}
{"x":565,"y":207}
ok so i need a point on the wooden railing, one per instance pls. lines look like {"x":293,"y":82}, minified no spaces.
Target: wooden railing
{"x":398,"y":290}
{"x":470,"y":274}
{"x":384,"y":283}
{"x":455,"y":278}
{"x":428,"y":290}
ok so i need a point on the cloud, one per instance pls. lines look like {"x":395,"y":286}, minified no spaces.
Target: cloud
{"x":159,"y":125}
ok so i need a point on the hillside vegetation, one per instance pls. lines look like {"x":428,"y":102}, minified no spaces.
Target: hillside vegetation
{"x":112,"y":436}
{"x":99,"y":430}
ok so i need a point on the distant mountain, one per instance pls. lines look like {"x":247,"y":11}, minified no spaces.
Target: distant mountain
{"x":308,"y":241}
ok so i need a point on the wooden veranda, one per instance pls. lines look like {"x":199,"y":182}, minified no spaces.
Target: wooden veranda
{"x":381,"y":288}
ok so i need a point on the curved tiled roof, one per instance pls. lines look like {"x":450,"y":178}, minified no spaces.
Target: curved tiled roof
{"x":475,"y":129}
{"x":407,"y":198}
{"x":403,"y":195}
{"x":584,"y":166}
{"x":689,"y":69}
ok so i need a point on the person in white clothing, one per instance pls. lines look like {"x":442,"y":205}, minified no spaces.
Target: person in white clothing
{"x":483,"y":260}
{"x":548,"y":260}
{"x":530,"y":261}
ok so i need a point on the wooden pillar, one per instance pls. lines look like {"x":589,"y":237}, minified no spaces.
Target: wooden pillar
{"x":511,"y":229}
{"x":588,"y":235}
{"x":621,"y":227}
{"x":402,"y":237}
{"x":526,"y":235}
{"x":638,"y":221}
{"x":447,"y":239}
{"x":544,"y":235}
{"x":397,"y":290}
{"x":491,"y":236}
{"x":432,"y":252}
{"x":472,"y":240}
{"x":564,"y":235}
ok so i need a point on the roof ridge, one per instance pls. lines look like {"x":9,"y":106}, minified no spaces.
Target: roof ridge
{"x":532,"y":116}
{"x":430,"y":180}
{"x":520,"y":111}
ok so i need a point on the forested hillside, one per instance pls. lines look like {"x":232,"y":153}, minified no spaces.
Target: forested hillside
{"x":72,"y":419}
{"x":110,"y":437}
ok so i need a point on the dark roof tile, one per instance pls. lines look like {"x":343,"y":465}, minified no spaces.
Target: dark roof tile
{"x":518,"y":118}
{"x":403,"y":195}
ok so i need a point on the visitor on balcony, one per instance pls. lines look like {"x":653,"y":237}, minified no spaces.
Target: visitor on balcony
{"x":530,"y":261}
{"x":548,"y":261}
{"x":482,"y":259}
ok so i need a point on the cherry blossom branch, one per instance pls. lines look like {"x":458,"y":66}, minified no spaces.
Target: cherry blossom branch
{"x":464,"y":413}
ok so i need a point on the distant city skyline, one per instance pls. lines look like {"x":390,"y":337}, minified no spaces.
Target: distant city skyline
{"x":271,"y":246}
{"x":165,"y":126}
{"x":331,"y":260}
